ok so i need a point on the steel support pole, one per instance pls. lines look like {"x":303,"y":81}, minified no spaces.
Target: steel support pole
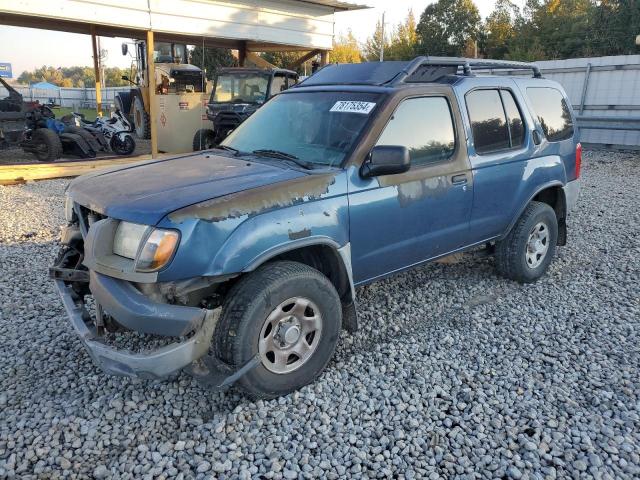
{"x":96,"y":70}
{"x":585,"y":85}
{"x":151,"y":76}
{"x":242,"y":54}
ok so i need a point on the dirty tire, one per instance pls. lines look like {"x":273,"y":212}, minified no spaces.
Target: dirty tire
{"x":141,"y":119}
{"x":122,"y":147}
{"x":511,"y":251}
{"x":87,"y":137}
{"x":49,"y":144}
{"x":247,"y":306}
{"x":204,"y":139}
{"x":122,"y":102}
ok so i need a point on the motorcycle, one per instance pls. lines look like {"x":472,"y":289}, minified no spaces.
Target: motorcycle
{"x":113,"y":134}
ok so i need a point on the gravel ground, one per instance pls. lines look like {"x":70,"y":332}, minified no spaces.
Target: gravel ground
{"x":456,"y":372}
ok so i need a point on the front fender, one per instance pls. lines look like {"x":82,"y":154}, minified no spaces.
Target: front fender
{"x":264,"y":236}
{"x":236,"y":233}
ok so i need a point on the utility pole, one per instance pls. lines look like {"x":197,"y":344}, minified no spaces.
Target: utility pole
{"x":382,"y":40}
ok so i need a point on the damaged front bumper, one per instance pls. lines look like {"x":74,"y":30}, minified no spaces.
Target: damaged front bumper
{"x":190,"y":354}
{"x":152,"y":364}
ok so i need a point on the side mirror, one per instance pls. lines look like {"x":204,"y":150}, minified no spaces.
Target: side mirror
{"x":125,"y":77}
{"x":125,"y":48}
{"x":386,"y":160}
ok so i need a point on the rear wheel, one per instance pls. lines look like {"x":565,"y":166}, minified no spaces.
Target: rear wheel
{"x":47,"y":145}
{"x":141,"y":119}
{"x":526,"y":252}
{"x":288,"y":314}
{"x":204,"y":139}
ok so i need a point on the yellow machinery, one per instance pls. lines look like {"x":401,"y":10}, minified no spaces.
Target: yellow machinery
{"x":179,"y":87}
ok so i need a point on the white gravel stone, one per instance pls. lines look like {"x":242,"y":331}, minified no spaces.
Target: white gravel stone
{"x":456,"y":372}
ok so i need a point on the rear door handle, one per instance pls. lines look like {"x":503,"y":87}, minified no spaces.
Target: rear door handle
{"x":459,"y":179}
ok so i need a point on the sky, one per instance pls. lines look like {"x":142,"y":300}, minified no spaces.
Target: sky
{"x":27,"y":49}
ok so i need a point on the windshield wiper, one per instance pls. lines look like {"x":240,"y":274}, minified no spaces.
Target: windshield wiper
{"x":283,"y":156}
{"x":229,"y":149}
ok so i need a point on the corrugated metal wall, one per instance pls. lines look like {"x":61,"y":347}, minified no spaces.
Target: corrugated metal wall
{"x":612,"y":89}
{"x":67,"y":97}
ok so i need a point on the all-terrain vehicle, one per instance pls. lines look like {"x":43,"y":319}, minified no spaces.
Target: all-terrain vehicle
{"x":249,"y":255}
{"x":173,"y":75}
{"x":237,"y":93}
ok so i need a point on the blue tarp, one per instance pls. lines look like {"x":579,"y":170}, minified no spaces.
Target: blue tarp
{"x":45,"y":86}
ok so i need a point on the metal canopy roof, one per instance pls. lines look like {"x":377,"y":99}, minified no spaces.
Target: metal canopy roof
{"x":255,"y":25}
{"x":338,"y":5}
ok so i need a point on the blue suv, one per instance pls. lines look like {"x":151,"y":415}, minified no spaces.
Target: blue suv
{"x":248,"y":254}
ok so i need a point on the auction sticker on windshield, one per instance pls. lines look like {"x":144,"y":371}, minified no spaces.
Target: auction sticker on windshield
{"x":352,"y":106}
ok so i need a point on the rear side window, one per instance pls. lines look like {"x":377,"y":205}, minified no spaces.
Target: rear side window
{"x":423,"y":125}
{"x":496,"y":123}
{"x":552,"y":111}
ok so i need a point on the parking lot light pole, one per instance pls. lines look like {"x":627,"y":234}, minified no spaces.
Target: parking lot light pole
{"x":96,"y":70}
{"x":151,"y":75}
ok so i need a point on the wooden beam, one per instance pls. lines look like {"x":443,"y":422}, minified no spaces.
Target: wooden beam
{"x":96,"y":70}
{"x":258,"y":61}
{"x":324,"y":57}
{"x":151,"y":75}
{"x":16,"y":174}
{"x":304,"y":58}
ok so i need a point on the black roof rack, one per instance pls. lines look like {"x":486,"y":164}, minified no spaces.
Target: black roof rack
{"x":466,"y":64}
{"x":418,"y":70}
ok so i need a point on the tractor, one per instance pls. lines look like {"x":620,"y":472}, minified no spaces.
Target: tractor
{"x":237,"y":93}
{"x":173,"y":75}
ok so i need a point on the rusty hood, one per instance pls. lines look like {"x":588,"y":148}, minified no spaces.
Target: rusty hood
{"x":147,"y":192}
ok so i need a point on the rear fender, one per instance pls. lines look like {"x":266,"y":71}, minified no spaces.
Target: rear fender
{"x":523,"y":206}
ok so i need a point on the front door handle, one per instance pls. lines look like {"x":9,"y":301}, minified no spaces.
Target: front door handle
{"x":460,"y":179}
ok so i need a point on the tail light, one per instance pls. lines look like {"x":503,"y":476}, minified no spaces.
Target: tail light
{"x":578,"y":159}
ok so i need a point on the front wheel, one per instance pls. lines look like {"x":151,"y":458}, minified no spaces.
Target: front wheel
{"x":122,"y":146}
{"x":526,"y":252}
{"x":288,"y":314}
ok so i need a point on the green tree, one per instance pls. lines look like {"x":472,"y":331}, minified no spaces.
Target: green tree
{"x":210,"y":59}
{"x":371,"y":47}
{"x":78,"y":77}
{"x":500,"y":29}
{"x":403,"y":41}
{"x":345,"y":49}
{"x":447,"y":28}
{"x":614,"y":27}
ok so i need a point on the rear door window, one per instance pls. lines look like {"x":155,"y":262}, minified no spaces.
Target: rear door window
{"x":488,"y":121}
{"x":496,"y":121}
{"x":425,"y":126}
{"x":552,"y":111}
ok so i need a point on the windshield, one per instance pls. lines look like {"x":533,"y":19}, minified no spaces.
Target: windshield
{"x":241,"y":88}
{"x":169,"y":53}
{"x":316,"y":127}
